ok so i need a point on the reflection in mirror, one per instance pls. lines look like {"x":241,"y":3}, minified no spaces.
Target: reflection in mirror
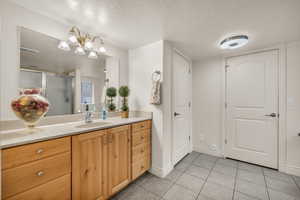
{"x":68,"y":80}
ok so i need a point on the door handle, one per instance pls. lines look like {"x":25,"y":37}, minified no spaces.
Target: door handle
{"x":271,"y":115}
{"x":176,"y":114}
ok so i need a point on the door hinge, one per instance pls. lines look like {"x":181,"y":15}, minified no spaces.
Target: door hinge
{"x":190,"y":104}
{"x":225,"y":104}
{"x":225,"y":141}
{"x":189,"y":70}
{"x":189,"y":138}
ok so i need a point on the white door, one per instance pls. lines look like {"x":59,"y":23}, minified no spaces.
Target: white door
{"x":252,"y":108}
{"x":181,"y":107}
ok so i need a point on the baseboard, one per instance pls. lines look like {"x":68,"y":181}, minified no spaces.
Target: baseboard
{"x":206,"y":150}
{"x":160,"y":172}
{"x":294,"y":170}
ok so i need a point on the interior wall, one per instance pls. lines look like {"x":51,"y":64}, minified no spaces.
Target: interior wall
{"x":207,"y":113}
{"x":208,"y":90}
{"x":293,"y":108}
{"x":143,"y":62}
{"x":14,"y":16}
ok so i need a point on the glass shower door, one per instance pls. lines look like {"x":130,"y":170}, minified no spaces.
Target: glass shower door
{"x":59,"y":92}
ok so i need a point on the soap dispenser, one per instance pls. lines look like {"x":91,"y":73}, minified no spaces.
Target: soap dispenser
{"x":103,"y":113}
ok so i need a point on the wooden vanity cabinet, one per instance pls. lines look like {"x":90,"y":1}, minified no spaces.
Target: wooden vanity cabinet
{"x":100,"y":163}
{"x":43,"y":172}
{"x":89,"y":166}
{"x":119,"y":157}
{"x":141,"y":148}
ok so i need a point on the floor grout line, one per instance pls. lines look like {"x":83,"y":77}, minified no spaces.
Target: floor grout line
{"x":190,"y":162}
{"x":205,"y":181}
{"x":294,"y":179}
{"x":173,"y":183}
{"x":235,"y":181}
{"x":266,"y":183}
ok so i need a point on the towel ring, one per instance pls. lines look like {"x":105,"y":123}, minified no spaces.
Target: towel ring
{"x":156,"y":76}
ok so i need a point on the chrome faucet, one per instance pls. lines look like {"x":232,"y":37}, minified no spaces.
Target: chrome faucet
{"x":88,"y":114}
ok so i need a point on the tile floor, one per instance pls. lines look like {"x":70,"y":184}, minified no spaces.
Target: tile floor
{"x":203,"y":177}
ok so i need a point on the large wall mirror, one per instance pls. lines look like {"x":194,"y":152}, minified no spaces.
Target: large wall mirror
{"x":67,"y":80}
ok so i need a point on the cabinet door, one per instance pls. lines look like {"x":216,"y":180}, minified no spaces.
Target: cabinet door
{"x":119,"y":158}
{"x":89,"y":166}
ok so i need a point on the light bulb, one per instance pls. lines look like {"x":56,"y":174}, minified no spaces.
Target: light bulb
{"x":102,"y":49}
{"x":88,"y":45}
{"x":63,"y":45}
{"x":73,"y":39}
{"x":79,"y":51}
{"x":93,"y":55}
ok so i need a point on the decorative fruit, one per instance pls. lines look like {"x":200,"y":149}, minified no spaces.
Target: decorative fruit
{"x":30,"y":106}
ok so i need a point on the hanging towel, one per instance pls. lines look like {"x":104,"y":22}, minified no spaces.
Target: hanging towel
{"x":155,"y":92}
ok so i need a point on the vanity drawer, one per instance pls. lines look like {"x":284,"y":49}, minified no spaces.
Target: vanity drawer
{"x":25,"y":177}
{"x":141,"y":137}
{"x":16,"y":156}
{"x":140,"y":167}
{"x":140,"y":151}
{"x":141,"y":126}
{"x":58,"y":189}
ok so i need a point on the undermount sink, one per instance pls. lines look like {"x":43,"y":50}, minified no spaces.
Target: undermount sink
{"x":93,"y":124}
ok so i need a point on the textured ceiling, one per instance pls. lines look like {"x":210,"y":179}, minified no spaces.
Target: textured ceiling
{"x":195,"y":26}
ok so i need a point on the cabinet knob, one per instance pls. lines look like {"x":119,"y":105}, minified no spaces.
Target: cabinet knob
{"x":40,"y":173}
{"x":142,"y":126}
{"x":142,"y":167}
{"x":39,"y":151}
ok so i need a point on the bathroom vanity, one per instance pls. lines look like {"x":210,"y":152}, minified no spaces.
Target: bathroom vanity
{"x":87,"y":163}
{"x":66,"y":158}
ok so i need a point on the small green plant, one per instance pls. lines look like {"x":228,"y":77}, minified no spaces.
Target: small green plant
{"x":124,"y":93}
{"x":111,"y":92}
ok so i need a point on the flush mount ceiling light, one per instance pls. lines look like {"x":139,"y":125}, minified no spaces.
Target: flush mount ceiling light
{"x":83,"y":44}
{"x":234,"y":42}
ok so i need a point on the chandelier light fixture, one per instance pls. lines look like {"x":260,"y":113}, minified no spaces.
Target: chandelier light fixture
{"x":83,"y":44}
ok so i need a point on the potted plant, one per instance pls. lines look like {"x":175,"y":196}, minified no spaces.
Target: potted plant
{"x":111,"y":92}
{"x":124,"y":93}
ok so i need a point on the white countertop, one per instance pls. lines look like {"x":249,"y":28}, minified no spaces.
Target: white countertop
{"x":17,"y":137}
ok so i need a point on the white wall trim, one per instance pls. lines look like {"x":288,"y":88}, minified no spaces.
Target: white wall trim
{"x":281,"y":101}
{"x":174,"y":50}
{"x":204,"y":149}
{"x":291,"y":169}
{"x":160,"y":172}
{"x":223,"y":110}
{"x":282,"y":95}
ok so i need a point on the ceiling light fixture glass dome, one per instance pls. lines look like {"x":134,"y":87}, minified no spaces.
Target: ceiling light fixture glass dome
{"x":234,"y":42}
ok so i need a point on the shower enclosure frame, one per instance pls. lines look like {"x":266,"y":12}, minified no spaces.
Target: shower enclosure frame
{"x":44,"y":83}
